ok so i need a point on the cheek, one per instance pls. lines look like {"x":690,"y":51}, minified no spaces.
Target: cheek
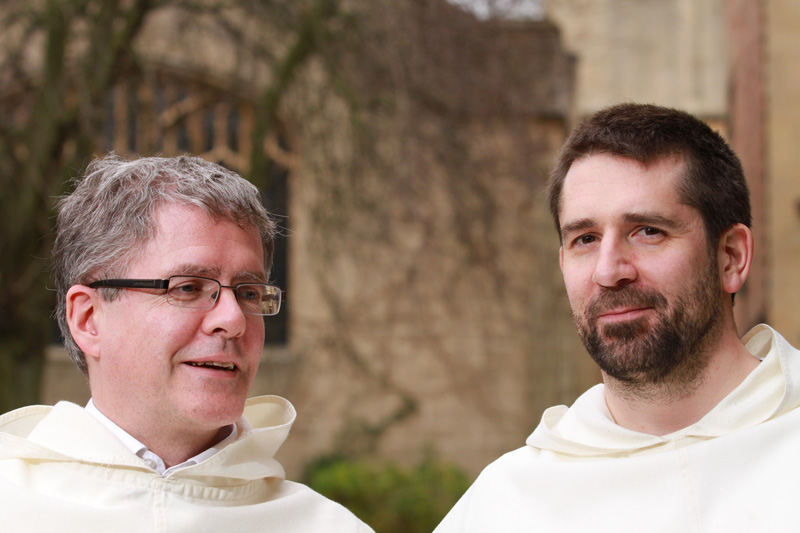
{"x":578,"y":284}
{"x":255,"y":335}
{"x":671,"y":276}
{"x":165,"y":334}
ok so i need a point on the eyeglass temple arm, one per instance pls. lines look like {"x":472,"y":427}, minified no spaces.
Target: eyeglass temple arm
{"x":131,"y":283}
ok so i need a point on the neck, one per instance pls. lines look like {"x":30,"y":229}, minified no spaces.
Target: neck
{"x":663,"y":408}
{"x":172,"y":445}
{"x":174,"y":453}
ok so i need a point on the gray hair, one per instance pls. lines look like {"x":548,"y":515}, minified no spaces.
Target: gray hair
{"x":111,"y":215}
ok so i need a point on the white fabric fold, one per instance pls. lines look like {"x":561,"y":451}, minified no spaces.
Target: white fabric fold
{"x":735,"y":470}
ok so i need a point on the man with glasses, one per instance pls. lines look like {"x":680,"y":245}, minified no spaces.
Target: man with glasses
{"x":162,"y":274}
{"x":693,"y":428}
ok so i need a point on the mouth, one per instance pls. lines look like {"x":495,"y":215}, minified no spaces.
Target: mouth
{"x":622,"y":314}
{"x":214,"y":365}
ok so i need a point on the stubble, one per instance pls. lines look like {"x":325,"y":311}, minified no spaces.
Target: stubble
{"x":656,"y":358}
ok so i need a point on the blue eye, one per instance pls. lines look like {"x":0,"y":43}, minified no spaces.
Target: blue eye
{"x":187,"y":289}
{"x":250,"y":293}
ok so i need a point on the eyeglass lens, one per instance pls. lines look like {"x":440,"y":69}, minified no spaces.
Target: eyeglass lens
{"x":254,"y":298}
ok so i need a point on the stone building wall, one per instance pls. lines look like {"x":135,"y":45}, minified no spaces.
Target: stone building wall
{"x":705,"y":57}
{"x":670,"y":52}
{"x":782,"y":43}
{"x":427,"y":288}
{"x":731,"y":62}
{"x":426,"y":308}
{"x":748,"y":136}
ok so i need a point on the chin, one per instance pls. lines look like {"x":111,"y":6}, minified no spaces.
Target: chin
{"x":218,"y":413}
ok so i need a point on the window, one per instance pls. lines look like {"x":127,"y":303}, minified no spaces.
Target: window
{"x":168,"y":115}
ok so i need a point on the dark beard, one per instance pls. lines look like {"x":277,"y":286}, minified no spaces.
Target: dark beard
{"x":671,"y":353}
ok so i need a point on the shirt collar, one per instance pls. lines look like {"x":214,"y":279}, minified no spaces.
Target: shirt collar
{"x":151,"y":459}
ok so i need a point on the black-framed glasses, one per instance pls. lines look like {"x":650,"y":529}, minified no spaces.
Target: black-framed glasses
{"x":197,"y":292}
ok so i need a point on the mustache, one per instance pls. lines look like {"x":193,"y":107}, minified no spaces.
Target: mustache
{"x":627,"y":297}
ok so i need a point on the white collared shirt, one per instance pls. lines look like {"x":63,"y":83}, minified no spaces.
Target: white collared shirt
{"x":152,"y":460}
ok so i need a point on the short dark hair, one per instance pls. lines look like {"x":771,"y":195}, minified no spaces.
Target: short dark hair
{"x":713,"y":182}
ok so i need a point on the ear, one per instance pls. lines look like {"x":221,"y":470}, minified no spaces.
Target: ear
{"x":82,"y":318}
{"x":561,"y":258}
{"x":735,"y":254}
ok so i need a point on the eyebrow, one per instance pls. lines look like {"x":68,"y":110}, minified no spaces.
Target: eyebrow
{"x":653,"y":219}
{"x":577,"y":226}
{"x":649,"y":219}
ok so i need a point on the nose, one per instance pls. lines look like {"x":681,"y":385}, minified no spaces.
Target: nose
{"x":615,"y":266}
{"x":226,"y":317}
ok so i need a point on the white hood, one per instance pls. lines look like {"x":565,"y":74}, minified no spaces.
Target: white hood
{"x":587,"y":428}
{"x":38,"y":433}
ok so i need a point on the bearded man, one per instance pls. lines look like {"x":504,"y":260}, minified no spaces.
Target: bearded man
{"x":693,"y":427}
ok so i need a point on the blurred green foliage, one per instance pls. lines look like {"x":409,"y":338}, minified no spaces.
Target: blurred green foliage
{"x":389,"y":497}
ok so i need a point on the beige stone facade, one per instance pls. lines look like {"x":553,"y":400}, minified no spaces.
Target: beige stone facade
{"x":709,"y":58}
{"x":782,"y":201}
{"x":731,"y":62}
{"x":669,"y":52}
{"x":427,"y":311}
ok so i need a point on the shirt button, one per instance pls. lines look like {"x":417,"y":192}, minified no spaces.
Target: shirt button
{"x":150,"y":463}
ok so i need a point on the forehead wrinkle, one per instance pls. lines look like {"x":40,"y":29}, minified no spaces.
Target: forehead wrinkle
{"x":242,"y":276}
{"x":188,"y":269}
{"x":246,"y":276}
